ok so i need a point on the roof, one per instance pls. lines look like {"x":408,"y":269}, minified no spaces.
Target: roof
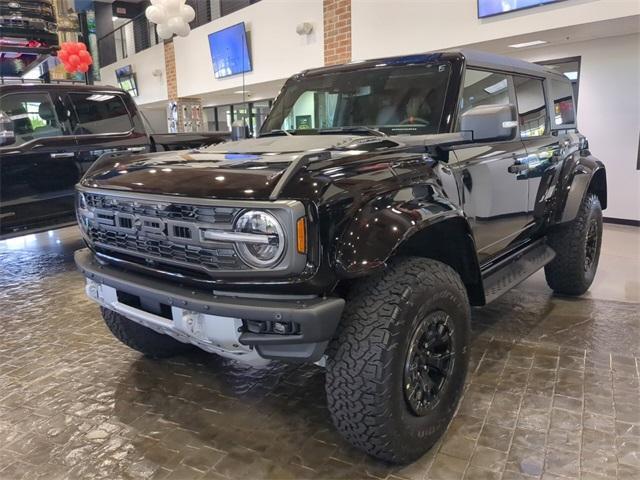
{"x":472,"y":57}
{"x":502,"y":62}
{"x":12,"y":87}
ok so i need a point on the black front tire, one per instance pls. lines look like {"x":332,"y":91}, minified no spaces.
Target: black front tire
{"x":366,"y":385}
{"x":151,"y":344}
{"x":577,"y":246}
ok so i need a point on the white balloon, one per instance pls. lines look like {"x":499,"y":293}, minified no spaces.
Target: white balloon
{"x":164,"y":32}
{"x":179,"y":26}
{"x":187,"y":13}
{"x":185,"y":29}
{"x":155,"y":14}
{"x":171,"y":17}
{"x":172,"y":7}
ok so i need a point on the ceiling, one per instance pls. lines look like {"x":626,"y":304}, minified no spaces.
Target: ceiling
{"x":558,"y":36}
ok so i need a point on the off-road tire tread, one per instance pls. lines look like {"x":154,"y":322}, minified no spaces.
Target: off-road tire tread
{"x":141,"y":338}
{"x":356,"y":377}
{"x":565,"y":273}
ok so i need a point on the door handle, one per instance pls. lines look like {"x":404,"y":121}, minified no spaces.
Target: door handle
{"x":518,"y":168}
{"x":63,"y":155}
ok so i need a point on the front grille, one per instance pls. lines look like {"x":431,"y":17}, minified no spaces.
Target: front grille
{"x":224,"y":259}
{"x":161,"y":232}
{"x":173,"y":211}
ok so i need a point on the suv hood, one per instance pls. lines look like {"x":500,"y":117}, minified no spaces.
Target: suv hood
{"x":245,"y":169}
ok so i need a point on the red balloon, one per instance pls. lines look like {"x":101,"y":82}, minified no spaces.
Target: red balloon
{"x":63,"y":55}
{"x":74,"y":60}
{"x":81,"y":47}
{"x":83,"y":67}
{"x":84,"y":55}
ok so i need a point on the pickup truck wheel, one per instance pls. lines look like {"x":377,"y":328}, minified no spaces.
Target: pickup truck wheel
{"x":397,"y":365}
{"x":577,"y":247}
{"x":151,"y":344}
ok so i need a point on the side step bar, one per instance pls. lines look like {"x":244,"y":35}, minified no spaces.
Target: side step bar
{"x":501,"y":277}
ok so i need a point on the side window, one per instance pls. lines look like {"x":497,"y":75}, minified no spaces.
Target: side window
{"x":532,"y":107}
{"x":484,"y":88}
{"x":99,"y":113}
{"x":33,"y":116}
{"x":564,"y":109}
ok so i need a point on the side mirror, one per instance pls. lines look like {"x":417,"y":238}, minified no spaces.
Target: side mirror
{"x":7,"y":135}
{"x":490,"y":122}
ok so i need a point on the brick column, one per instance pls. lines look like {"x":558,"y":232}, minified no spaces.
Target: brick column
{"x":170,"y":70}
{"x":183,"y":114}
{"x":337,"y":31}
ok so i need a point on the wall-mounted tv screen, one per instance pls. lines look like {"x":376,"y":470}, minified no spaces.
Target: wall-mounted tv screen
{"x":230,"y":51}
{"x":489,"y":8}
{"x":127,"y":80}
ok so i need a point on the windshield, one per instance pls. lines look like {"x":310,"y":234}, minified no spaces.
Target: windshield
{"x":393,"y":100}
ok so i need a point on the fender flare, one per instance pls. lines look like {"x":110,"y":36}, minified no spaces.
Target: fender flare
{"x":582,"y":173}
{"x":414,"y":220}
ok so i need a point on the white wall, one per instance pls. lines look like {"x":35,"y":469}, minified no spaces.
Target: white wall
{"x":608,"y":111}
{"x":276,"y":50}
{"x":384,"y":27}
{"x":150,"y":89}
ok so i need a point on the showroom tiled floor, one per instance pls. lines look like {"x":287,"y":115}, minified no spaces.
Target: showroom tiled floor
{"x":554,"y":390}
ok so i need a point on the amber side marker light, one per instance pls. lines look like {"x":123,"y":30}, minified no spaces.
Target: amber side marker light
{"x":301,"y":229}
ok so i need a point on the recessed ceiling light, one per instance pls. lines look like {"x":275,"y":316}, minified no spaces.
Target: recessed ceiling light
{"x":242,"y":91}
{"x":496,"y":87}
{"x":528,"y":44}
{"x":571,"y":75}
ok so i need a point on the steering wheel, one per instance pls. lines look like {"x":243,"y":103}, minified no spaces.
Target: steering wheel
{"x":415,"y":121}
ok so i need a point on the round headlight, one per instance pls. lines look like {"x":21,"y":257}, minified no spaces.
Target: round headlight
{"x":270,"y":241}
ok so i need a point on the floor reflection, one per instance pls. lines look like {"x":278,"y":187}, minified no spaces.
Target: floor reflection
{"x":552,"y":393}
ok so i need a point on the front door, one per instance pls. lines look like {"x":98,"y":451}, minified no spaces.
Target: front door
{"x":492,"y":177}
{"x":39,"y":169}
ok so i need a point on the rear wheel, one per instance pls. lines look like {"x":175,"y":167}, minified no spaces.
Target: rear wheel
{"x":396,"y":368}
{"x":151,"y":344}
{"x":577,"y":246}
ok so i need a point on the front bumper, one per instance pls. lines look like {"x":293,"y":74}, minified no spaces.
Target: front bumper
{"x":208,"y":320}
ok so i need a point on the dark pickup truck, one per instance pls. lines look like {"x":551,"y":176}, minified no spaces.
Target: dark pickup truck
{"x":418,"y":187}
{"x":50,"y":134}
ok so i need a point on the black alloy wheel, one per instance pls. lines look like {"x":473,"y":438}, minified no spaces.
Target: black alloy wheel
{"x":429,"y":362}
{"x":591,"y":245}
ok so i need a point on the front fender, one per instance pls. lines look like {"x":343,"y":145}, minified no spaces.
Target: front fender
{"x":380,"y":227}
{"x":581,"y":170}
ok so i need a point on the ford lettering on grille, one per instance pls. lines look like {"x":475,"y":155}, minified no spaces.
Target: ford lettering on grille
{"x":161,"y":232}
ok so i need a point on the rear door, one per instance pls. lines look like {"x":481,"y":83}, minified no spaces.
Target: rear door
{"x":492,"y":176}
{"x":547,"y":138}
{"x":102,"y":122}
{"x":39,"y":169}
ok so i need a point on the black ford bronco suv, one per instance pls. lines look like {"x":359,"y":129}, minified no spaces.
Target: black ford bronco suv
{"x":380,"y":201}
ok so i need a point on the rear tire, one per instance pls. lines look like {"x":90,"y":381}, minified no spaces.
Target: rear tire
{"x":577,"y":246}
{"x":151,"y":344}
{"x":401,"y":329}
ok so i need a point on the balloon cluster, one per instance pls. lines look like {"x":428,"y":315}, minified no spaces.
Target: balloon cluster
{"x":75,"y":57}
{"x":171,"y":17}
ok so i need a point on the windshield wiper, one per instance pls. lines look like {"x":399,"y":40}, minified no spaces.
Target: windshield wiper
{"x":271,"y":133}
{"x":354,"y":129}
